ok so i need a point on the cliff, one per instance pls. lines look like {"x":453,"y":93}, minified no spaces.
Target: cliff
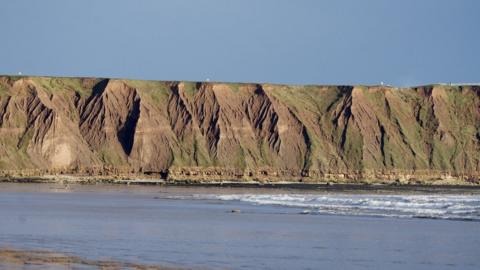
{"x":214,"y":131}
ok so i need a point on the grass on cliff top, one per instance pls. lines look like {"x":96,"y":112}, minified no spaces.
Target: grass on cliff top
{"x":235,"y":87}
{"x":190,"y":88}
{"x":314,"y":99}
{"x":375,"y":97}
{"x":157,"y":91}
{"x":54,"y":85}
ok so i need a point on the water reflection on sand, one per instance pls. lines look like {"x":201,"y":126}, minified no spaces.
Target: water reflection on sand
{"x":162,"y":226}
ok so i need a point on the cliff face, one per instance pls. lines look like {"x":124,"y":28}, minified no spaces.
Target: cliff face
{"x":184,"y":129}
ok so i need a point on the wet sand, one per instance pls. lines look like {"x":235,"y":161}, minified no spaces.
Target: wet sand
{"x":36,"y":259}
{"x":148,"y":226}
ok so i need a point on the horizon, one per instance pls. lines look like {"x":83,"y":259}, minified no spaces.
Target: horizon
{"x":233,"y":82}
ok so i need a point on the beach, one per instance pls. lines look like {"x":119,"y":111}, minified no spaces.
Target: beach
{"x":244,"y":228}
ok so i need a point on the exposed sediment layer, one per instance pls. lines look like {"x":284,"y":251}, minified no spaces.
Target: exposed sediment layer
{"x":225,"y":131}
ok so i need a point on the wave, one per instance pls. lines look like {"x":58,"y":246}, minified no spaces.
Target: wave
{"x":457,"y":207}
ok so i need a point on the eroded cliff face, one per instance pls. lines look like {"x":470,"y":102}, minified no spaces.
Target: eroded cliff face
{"x":237,"y":131}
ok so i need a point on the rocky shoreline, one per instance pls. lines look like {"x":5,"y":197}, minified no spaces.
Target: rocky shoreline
{"x":369,"y":181}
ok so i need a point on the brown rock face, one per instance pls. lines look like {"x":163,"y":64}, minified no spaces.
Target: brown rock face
{"x":238,"y":131}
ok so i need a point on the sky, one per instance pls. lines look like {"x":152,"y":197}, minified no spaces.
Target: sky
{"x":402,"y":43}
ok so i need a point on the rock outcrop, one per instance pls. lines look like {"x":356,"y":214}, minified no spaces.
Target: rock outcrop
{"x":185,"y":130}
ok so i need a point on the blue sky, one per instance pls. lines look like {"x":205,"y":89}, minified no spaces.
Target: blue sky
{"x":403,"y":42}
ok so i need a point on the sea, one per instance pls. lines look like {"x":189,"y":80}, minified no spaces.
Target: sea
{"x":245,"y":228}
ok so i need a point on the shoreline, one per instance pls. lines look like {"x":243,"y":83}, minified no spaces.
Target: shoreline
{"x":434,"y":187}
{"x":156,"y":225}
{"x":19,"y":257}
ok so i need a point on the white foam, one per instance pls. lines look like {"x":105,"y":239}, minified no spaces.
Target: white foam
{"x":425,"y":206}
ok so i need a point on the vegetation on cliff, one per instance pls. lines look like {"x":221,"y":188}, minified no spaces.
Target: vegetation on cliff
{"x":83,"y":125}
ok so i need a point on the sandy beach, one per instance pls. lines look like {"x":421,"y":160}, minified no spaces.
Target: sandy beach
{"x":239,"y":228}
{"x":35,"y":259}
